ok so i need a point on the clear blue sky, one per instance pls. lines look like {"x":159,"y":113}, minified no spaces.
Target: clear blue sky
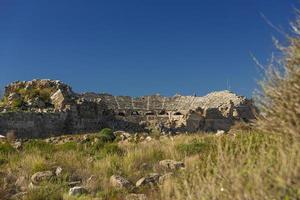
{"x":138,"y":47}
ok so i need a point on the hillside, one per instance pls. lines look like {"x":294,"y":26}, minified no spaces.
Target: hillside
{"x":243,"y":164}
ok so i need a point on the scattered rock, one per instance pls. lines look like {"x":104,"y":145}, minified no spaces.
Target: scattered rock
{"x":151,"y":179}
{"x":120,"y":182}
{"x":74,"y":178}
{"x":220,"y":132}
{"x":17,"y":145}
{"x":136,"y":197}
{"x":171,"y":164}
{"x":148,"y":139}
{"x":91,"y":179}
{"x":78,"y":190}
{"x":58,"y":171}
{"x":145,"y":166}
{"x":122,"y":134}
{"x":74,"y":183}
{"x":41,"y":176}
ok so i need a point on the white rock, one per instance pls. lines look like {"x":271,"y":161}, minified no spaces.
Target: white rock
{"x":58,"y":171}
{"x":148,"y":138}
{"x":78,"y":190}
{"x":151,"y":179}
{"x":220,"y":132}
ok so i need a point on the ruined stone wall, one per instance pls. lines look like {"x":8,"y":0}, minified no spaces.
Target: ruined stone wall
{"x":61,"y":111}
{"x":215,"y":111}
{"x":80,"y":118}
{"x":32,"y":125}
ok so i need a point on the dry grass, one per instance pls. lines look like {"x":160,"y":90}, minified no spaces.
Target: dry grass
{"x":245,"y":165}
{"x":279,"y":98}
{"x":251,"y":166}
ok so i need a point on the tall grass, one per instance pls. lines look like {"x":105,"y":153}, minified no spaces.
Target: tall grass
{"x":279,"y":97}
{"x":251,"y":166}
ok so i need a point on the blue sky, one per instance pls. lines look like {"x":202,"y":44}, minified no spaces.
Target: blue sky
{"x":138,"y":47}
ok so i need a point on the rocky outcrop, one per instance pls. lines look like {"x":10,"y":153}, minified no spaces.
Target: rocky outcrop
{"x":77,"y":190}
{"x":41,"y":108}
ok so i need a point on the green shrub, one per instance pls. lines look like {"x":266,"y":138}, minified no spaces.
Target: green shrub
{"x":107,"y":135}
{"x":6,"y":148}
{"x":45,"y":94}
{"x":3,"y":102}
{"x":47,"y":192}
{"x":17,"y":103}
{"x":39,"y":166}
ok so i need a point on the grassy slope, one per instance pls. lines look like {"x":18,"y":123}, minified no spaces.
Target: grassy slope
{"x":243,"y":165}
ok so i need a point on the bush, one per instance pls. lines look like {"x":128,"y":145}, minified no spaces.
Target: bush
{"x":107,"y":135}
{"x":17,"y":103}
{"x":6,"y":148}
{"x":45,"y":94}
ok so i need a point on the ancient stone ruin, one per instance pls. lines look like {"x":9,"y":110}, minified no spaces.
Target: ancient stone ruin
{"x":42,"y":108}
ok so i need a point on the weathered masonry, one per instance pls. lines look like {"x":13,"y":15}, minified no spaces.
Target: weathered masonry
{"x":42,"y":108}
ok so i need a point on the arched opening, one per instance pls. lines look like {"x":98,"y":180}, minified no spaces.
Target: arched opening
{"x":178,"y":113}
{"x":163,"y":112}
{"x":135,"y":113}
{"x":149,"y":113}
{"x":121,"y":114}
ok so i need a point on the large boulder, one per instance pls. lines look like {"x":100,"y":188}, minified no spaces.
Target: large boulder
{"x":77,"y":190}
{"x":151,"y":179}
{"x":39,"y":177}
{"x":120,"y":182}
